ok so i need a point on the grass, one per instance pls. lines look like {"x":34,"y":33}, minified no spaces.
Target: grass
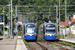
{"x":54,"y":45}
{"x":2,"y":35}
{"x":7,"y":38}
{"x":6,"y":35}
{"x":25,"y":42}
{"x":19,"y":34}
{"x":67,"y":43}
{"x":41,"y":39}
{"x":58,"y":36}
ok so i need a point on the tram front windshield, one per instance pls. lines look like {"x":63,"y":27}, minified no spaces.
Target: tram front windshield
{"x":50,"y":31}
{"x":50,"y":28}
{"x":30,"y":28}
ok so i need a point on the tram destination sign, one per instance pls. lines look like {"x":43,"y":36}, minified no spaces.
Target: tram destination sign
{"x":1,"y":18}
{"x":51,"y":28}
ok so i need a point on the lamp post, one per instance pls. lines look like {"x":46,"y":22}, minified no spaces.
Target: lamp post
{"x":11,"y":17}
{"x":69,"y":25}
{"x":16,"y":10}
{"x":16,"y":17}
{"x":3,"y":24}
{"x":59,"y":16}
{"x":65,"y":16}
{"x":49,"y":14}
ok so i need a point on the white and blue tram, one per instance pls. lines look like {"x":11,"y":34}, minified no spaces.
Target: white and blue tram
{"x":30,"y":31}
{"x":49,"y":31}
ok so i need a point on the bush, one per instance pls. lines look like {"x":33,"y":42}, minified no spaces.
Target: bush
{"x":58,"y":36}
{"x":41,"y":39}
{"x":1,"y":33}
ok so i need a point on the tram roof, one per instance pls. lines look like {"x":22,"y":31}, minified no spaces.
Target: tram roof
{"x":30,"y":23}
{"x":49,"y":23}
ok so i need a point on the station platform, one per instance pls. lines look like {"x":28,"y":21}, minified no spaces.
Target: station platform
{"x":10,"y":44}
{"x":71,"y":40}
{"x":20,"y":44}
{"x":7,"y":44}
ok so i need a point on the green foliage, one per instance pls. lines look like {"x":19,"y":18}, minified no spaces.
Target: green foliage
{"x":7,"y":38}
{"x":39,"y":22}
{"x":6,"y":35}
{"x":67,"y":43}
{"x":58,"y":36}
{"x":54,"y":45}
{"x":25,"y":42}
{"x":41,"y":39}
{"x":4,"y":2}
{"x":19,"y":34}
{"x":43,"y":10}
{"x":1,"y":33}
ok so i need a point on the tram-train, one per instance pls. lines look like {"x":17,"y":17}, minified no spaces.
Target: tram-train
{"x":30,"y":31}
{"x":49,"y":30}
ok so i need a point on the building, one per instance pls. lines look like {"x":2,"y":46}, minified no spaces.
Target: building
{"x":72,"y":26}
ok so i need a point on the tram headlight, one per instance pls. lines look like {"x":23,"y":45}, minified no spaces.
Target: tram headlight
{"x":33,"y":35}
{"x":47,"y":35}
{"x":27,"y":35}
{"x":53,"y":35}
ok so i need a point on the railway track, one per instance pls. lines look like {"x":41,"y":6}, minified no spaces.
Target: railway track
{"x":36,"y":46}
{"x":59,"y":47}
{"x":47,"y":46}
{"x":63,"y":46}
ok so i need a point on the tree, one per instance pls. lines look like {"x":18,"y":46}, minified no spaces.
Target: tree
{"x":4,"y":2}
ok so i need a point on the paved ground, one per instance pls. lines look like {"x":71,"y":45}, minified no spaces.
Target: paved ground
{"x":1,"y":37}
{"x":7,"y":44}
{"x":72,"y":40}
{"x":20,"y":44}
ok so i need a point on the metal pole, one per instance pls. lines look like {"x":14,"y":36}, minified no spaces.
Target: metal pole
{"x":3,"y":26}
{"x":59,"y":16}
{"x":49,"y":10}
{"x":69,"y":29}
{"x":11,"y":17}
{"x":16,"y":17}
{"x":43,"y":15}
{"x":16,"y":10}
{"x":49,"y":14}
{"x":65,"y":16}
{"x":69,"y":25}
{"x":3,"y":31}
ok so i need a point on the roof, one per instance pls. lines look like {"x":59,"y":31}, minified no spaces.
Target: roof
{"x":67,"y":22}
